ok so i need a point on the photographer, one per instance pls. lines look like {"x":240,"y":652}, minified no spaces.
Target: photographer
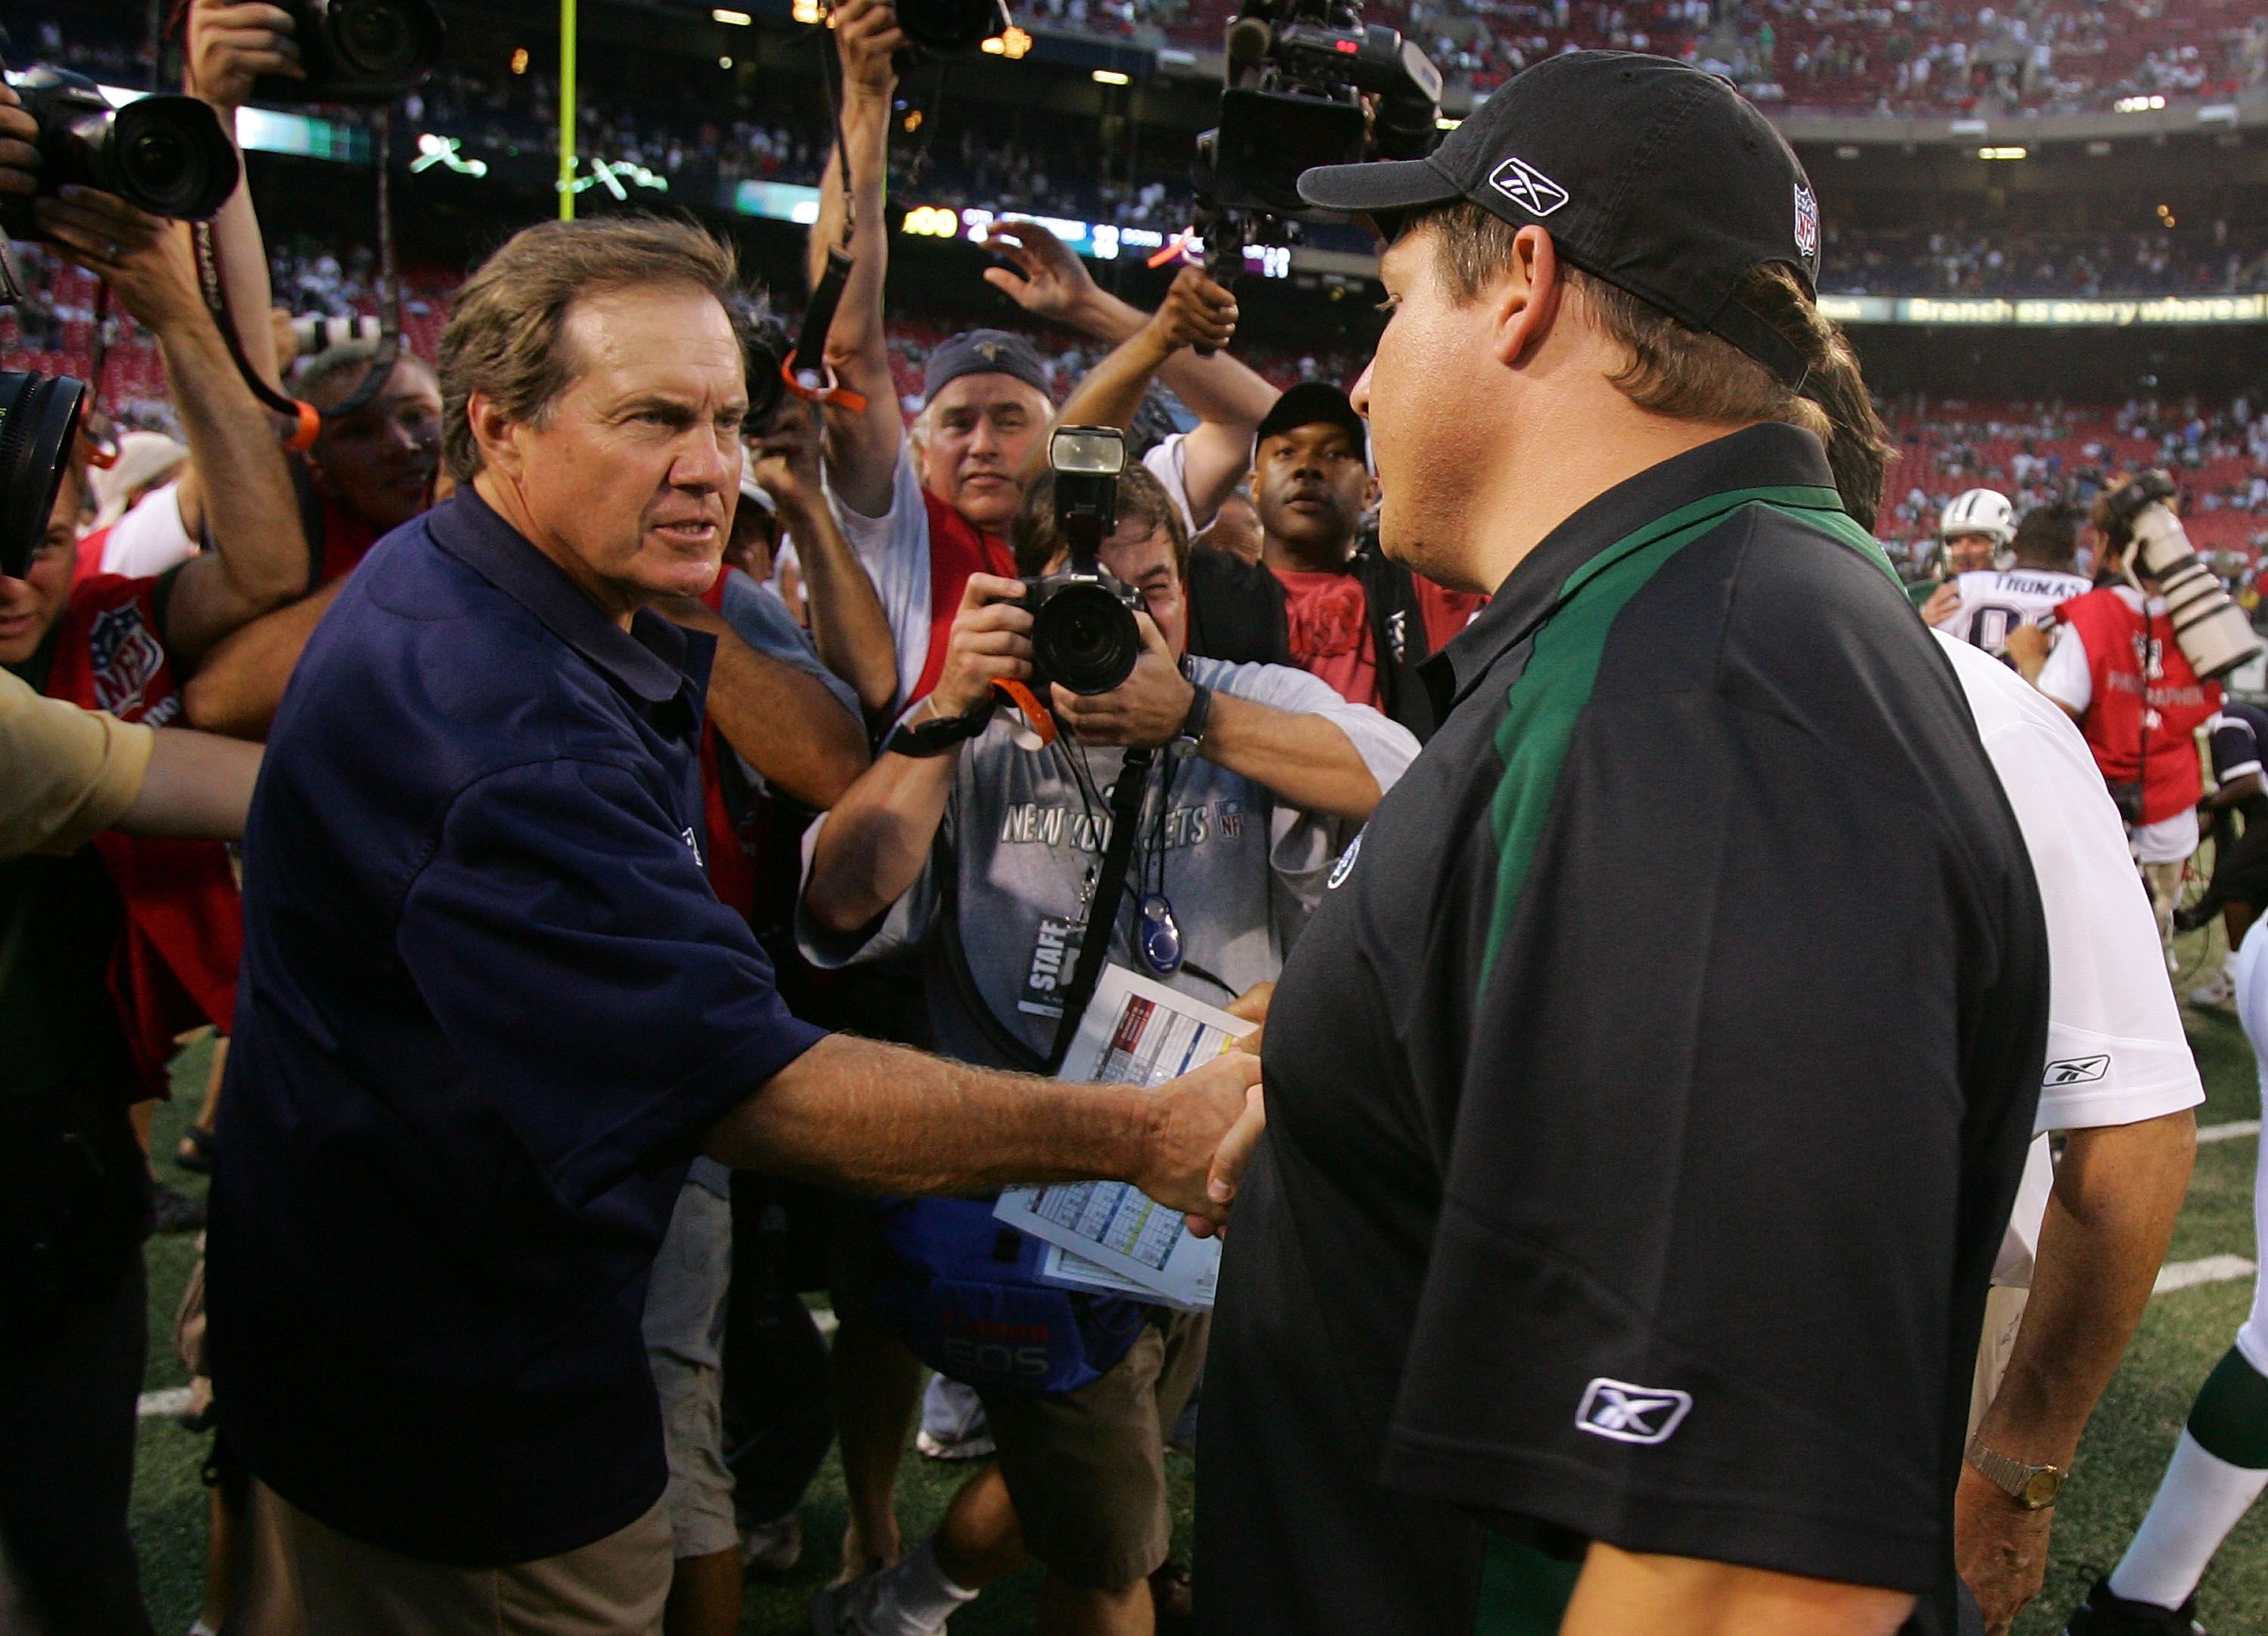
{"x":368,"y":472}
{"x":982,"y":856}
{"x":2116,"y":668}
{"x":161,"y":915}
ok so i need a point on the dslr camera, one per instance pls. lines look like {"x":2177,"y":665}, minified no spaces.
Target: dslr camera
{"x":1306,"y":83}
{"x":358,"y":50}
{"x":1083,"y":630}
{"x":2214,"y":634}
{"x":164,"y":154}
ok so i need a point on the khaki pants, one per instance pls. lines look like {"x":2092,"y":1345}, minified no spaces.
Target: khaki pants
{"x":613,"y":1587}
{"x":1087,"y":1469}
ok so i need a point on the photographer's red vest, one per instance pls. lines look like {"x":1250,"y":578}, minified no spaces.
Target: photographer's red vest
{"x":957,"y":548}
{"x":175,"y":968}
{"x":2117,"y":640}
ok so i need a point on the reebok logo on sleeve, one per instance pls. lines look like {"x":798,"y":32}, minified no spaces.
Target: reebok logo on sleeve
{"x":1631,"y":1414}
{"x":2077,"y":1070}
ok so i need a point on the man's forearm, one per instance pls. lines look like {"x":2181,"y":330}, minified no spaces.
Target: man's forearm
{"x":1110,"y":392}
{"x":243,"y":258}
{"x":198,"y":787}
{"x":260,"y":556}
{"x":856,"y":338}
{"x":1304,"y":761}
{"x":782,"y":720}
{"x":239,"y":685}
{"x":2117,"y":1192}
{"x":861,"y":445}
{"x":1621,"y":1593}
{"x":857,"y":1113}
{"x":877,"y":839}
{"x":848,"y":625}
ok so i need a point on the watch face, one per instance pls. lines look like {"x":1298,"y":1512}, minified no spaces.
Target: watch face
{"x":2041,"y":1488}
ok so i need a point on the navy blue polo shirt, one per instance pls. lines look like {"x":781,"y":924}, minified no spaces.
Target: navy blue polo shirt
{"x":489,"y":1006}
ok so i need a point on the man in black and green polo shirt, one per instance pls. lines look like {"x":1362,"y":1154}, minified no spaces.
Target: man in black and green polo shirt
{"x":1646,"y":1099}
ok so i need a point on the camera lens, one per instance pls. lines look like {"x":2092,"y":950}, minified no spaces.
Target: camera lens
{"x":169,"y":156}
{"x":1084,"y":638}
{"x":378,"y":38}
{"x":38,"y":415}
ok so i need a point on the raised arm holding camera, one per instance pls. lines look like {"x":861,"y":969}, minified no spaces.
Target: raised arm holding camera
{"x":1199,"y":466}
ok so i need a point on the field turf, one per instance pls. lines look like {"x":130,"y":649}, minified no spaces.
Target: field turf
{"x":2183,"y":1334}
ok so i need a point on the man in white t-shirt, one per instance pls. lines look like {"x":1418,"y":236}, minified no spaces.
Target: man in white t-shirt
{"x":2087,"y":1236}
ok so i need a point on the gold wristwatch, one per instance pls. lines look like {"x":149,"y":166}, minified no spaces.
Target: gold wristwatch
{"x":2034,"y":1487}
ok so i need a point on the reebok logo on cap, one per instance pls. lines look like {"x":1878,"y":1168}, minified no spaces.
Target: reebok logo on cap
{"x":1528,"y":187}
{"x":1807,"y":223}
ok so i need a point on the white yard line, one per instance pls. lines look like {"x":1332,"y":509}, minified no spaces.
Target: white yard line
{"x":2227,"y":1132}
{"x":173,"y":1400}
{"x":2212,"y":1269}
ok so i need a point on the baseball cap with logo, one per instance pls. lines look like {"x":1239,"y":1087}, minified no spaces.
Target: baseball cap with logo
{"x":1656,"y":177}
{"x":983,"y":352}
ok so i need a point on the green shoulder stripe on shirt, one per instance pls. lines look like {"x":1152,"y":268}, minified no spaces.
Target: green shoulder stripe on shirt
{"x":1542,"y":707}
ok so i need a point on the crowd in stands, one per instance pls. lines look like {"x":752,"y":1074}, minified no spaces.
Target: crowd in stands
{"x":1907,"y":57}
{"x":2209,"y":258}
{"x":2038,"y":453}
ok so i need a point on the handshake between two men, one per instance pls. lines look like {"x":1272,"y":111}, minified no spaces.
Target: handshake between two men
{"x":859,"y":1113}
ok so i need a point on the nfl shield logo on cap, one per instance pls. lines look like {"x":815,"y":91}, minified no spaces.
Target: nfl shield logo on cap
{"x":1806,"y":223}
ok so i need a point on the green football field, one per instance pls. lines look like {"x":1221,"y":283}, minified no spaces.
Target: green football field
{"x":2185,"y":1333}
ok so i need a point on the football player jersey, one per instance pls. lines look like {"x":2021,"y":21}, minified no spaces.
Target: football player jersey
{"x":1995,"y":600}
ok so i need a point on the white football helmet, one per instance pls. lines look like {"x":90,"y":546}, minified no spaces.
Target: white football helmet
{"x":1979,"y":511}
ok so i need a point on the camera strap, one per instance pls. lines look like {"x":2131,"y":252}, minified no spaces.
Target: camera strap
{"x":1109,"y":892}
{"x":805,"y":372}
{"x":306,"y":421}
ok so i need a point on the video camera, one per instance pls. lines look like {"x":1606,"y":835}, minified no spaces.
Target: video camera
{"x":164,"y":154}
{"x":2214,"y":634}
{"x":1306,"y":83}
{"x":1083,"y":630}
{"x":358,"y":50}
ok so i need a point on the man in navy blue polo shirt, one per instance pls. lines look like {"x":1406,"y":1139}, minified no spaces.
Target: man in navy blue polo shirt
{"x":491,"y":1008}
{"x":1614,"y":1257}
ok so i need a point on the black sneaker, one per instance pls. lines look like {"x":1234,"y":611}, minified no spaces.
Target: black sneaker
{"x":2106,"y":1614}
{"x":174,"y":1211}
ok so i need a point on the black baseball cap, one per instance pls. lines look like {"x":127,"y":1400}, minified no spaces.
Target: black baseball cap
{"x":984,"y":352}
{"x":1654,"y":176}
{"x":1308,"y":403}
